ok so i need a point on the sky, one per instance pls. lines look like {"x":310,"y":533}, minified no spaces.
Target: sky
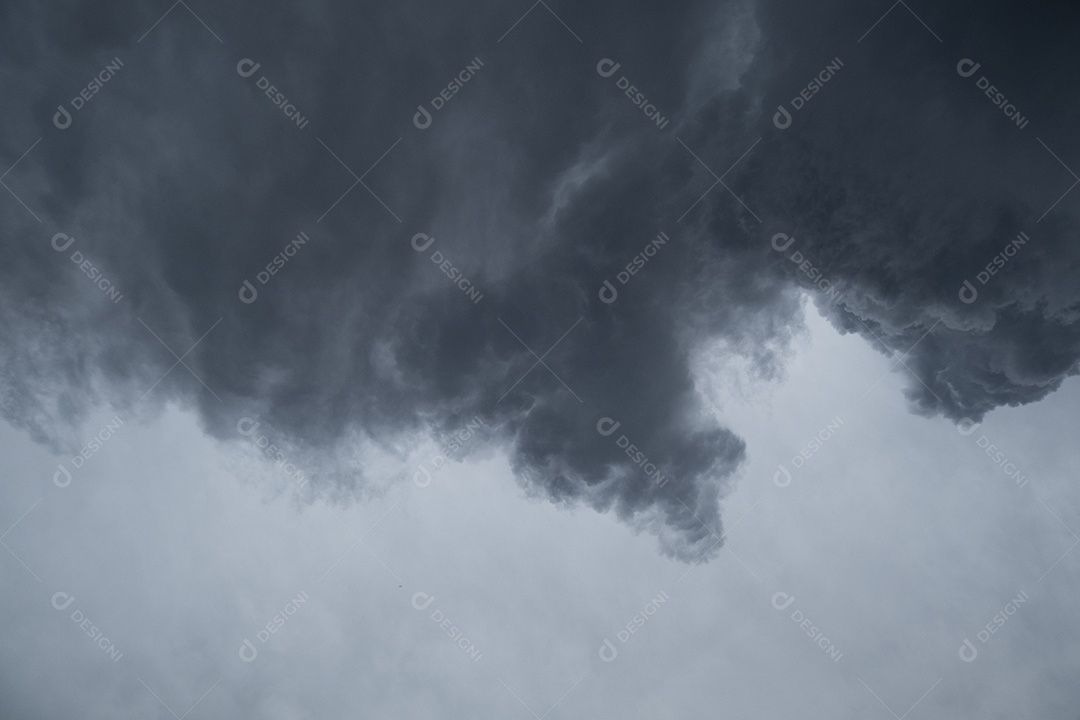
{"x":514,"y":360}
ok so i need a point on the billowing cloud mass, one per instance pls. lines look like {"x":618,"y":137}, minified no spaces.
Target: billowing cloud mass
{"x":540,"y":246}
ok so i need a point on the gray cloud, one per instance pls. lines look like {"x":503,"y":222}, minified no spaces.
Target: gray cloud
{"x":539,"y":180}
{"x":901,"y":180}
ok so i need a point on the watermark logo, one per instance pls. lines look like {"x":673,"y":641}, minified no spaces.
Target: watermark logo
{"x":61,"y":242}
{"x":607,"y":650}
{"x":422,"y":118}
{"x":248,"y":427}
{"x":247,"y":67}
{"x":62,"y":118}
{"x":967,"y":427}
{"x":62,"y":477}
{"x":968,"y":67}
{"x":782,"y":118}
{"x":421,"y":242}
{"x":608,"y":293}
{"x":781,"y":242}
{"x":422,"y":600}
{"x":968,"y":651}
{"x":968,"y":292}
{"x":248,"y":293}
{"x":451,"y":447}
{"x":782,"y":601}
{"x":782,"y":476}
{"x":607,"y":67}
{"x":607,"y":426}
{"x":248,"y":651}
{"x":62,"y":600}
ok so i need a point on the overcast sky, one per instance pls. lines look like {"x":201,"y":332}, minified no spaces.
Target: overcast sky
{"x":526,"y":361}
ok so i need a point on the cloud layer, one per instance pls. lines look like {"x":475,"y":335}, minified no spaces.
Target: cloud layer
{"x":539,"y":180}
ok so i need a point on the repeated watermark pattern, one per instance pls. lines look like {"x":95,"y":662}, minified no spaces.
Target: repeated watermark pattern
{"x":620,"y":76}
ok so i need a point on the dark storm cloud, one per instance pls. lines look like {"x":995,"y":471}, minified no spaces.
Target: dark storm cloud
{"x":539,"y":180}
{"x":902,"y":179}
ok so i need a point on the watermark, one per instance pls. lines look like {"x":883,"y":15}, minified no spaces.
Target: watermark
{"x":62,"y":600}
{"x":422,"y":118}
{"x":967,"y":426}
{"x":248,"y":293}
{"x":782,"y":600}
{"x":607,"y":67}
{"x":782,"y":118}
{"x":782,"y":476}
{"x":608,"y":292}
{"x":606,"y":426}
{"x":781,"y":242}
{"x":450,"y":448}
{"x":968,"y":651}
{"x":968,"y":67}
{"x":62,"y":242}
{"x":62,"y":118}
{"x":968,"y":293}
{"x":247,"y":67}
{"x":248,"y":651}
{"x":422,"y":600}
{"x":248,"y":427}
{"x":608,"y":651}
{"x":62,"y":476}
{"x":422,"y":242}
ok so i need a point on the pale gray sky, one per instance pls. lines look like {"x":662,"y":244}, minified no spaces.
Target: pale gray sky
{"x":898,"y":539}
